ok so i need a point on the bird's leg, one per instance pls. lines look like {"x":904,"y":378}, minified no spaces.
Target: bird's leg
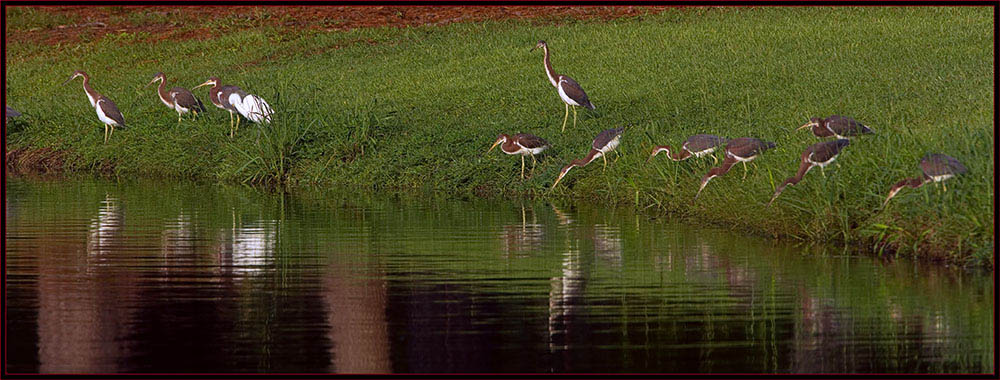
{"x":945,"y":187}
{"x":230,"y":124}
{"x":522,"y":166}
{"x":105,"y":133}
{"x":745,"y":170}
{"x":533,"y":162}
{"x":821,"y":171}
{"x":574,"y":116}
{"x":605,"y":158}
{"x":565,"y":117}
{"x":714,"y":160}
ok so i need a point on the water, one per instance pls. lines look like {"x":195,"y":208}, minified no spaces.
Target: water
{"x":168,"y":277}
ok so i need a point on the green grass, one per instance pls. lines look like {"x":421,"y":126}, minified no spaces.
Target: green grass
{"x":416,"y":108}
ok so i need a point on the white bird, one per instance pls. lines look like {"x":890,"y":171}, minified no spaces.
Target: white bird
{"x":252,"y":107}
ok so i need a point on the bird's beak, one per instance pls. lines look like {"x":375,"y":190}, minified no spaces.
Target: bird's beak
{"x":561,"y":175}
{"x":68,"y":80}
{"x":203,"y":84}
{"x":809,"y":124}
{"x":494,"y":146}
{"x":533,"y":48}
{"x":150,"y":82}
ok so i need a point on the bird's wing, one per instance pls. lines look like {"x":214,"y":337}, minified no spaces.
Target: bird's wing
{"x":225,"y":95}
{"x":824,"y":151}
{"x":184,"y":98}
{"x":111,"y":110}
{"x":236,"y":101}
{"x":938,"y":164}
{"x":845,"y":126}
{"x":698,"y":143}
{"x":530,"y":141}
{"x":255,"y":109}
{"x":574,"y":91}
{"x":748,"y":146}
{"x":605,"y":137}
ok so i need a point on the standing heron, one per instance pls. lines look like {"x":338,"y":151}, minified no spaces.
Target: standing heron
{"x":743,"y":149}
{"x":697,"y":146}
{"x":523,"y":144}
{"x":251,"y":106}
{"x":819,"y":154}
{"x":219,"y":96}
{"x":605,"y":142}
{"x":936,"y":167}
{"x":178,"y":98}
{"x":107,"y":111}
{"x":840,"y":126}
{"x":569,"y":91}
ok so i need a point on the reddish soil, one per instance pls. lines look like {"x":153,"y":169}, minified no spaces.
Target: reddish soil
{"x":182,"y":22}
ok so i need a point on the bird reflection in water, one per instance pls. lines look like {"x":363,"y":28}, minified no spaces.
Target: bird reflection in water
{"x":248,"y":249}
{"x":608,"y":244}
{"x":520,"y":240}
{"x":105,"y":228}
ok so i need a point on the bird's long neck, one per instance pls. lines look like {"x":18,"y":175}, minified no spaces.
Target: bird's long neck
{"x":162,"y":91}
{"x":553,"y":77}
{"x":911,"y":182}
{"x":213,"y":94}
{"x":91,"y":94}
{"x":510,"y":146}
{"x":803,"y":169}
{"x":590,"y":157}
{"x":721,"y":170}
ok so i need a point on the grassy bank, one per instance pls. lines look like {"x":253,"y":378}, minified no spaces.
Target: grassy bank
{"x":386,"y":109}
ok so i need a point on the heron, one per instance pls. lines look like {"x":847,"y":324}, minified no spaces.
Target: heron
{"x":523,"y":144}
{"x":936,"y":167}
{"x":219,"y":96}
{"x":178,"y":98}
{"x":743,"y":149}
{"x":605,"y":142}
{"x":569,"y":91}
{"x":838,"y":126}
{"x":107,"y":111}
{"x":819,"y":154}
{"x":697,"y":146}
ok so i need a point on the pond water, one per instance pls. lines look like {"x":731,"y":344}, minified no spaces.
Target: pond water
{"x":147,"y":276}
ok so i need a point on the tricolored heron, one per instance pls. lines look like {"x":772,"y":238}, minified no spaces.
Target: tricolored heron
{"x":219,"y":96}
{"x":107,"y":111}
{"x":178,"y":98}
{"x":697,"y":146}
{"x":936,"y":167}
{"x":840,"y":126}
{"x":743,"y":149}
{"x":523,"y":144}
{"x":605,"y":142}
{"x":819,"y":154}
{"x":569,"y":91}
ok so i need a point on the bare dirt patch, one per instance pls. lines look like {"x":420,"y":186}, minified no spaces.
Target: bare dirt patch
{"x":191,"y":22}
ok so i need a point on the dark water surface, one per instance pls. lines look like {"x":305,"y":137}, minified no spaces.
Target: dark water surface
{"x":171,"y":277}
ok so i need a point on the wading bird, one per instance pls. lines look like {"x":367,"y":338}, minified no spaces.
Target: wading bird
{"x":251,"y":106}
{"x":697,"y":146}
{"x":819,"y":154}
{"x":178,"y":98}
{"x":569,"y":91}
{"x":523,"y":144}
{"x":743,"y":149}
{"x":219,"y":96}
{"x":107,"y":111}
{"x":605,"y":142}
{"x":936,"y":167}
{"x":840,"y":126}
